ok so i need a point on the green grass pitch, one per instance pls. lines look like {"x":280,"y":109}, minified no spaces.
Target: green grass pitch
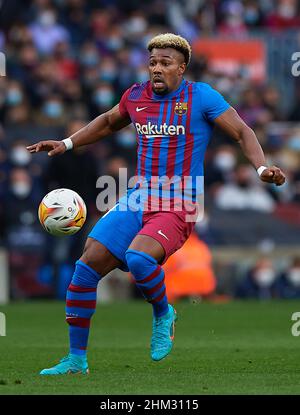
{"x":233,"y":348}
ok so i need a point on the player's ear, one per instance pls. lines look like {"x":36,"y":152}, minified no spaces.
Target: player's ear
{"x":182,"y":68}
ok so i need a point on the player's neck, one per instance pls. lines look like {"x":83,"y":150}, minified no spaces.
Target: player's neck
{"x":176,"y":86}
{"x":170,"y":92}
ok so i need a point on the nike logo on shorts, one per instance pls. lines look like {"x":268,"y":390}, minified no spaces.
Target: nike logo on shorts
{"x":162,"y":234}
{"x":140,"y":109}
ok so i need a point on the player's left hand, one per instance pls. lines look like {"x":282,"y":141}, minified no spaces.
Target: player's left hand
{"x":273,"y":175}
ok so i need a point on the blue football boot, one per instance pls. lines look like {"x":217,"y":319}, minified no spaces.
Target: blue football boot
{"x":71,"y":364}
{"x":163,"y":331}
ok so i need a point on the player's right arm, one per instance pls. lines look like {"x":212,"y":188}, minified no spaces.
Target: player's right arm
{"x":102,"y":126}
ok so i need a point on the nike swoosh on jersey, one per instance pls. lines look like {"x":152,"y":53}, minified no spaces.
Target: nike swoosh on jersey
{"x":162,"y":234}
{"x":140,"y":109}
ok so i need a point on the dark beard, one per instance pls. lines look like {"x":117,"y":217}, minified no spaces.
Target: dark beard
{"x":163,"y":92}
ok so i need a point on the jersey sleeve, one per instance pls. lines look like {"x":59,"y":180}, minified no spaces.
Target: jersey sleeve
{"x":213,"y":103}
{"x":123,"y":103}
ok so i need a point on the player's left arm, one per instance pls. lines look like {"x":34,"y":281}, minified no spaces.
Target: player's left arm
{"x":232,"y":124}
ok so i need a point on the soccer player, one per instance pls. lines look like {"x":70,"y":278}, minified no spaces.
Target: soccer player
{"x":173,"y":119}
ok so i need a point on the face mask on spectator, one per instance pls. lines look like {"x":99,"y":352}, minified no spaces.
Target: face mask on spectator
{"x":294,"y":276}
{"x":251,"y":15}
{"x":21,"y":189}
{"x":225,"y":161}
{"x":20,"y":156}
{"x":142,"y":76}
{"x":126,"y":139}
{"x":103,"y":97}
{"x":264,"y":277}
{"x":90,"y":59}
{"x":108,"y":76}
{"x":233,"y":20}
{"x":14,"y":96}
{"x":137,"y":25}
{"x":286,"y":10}
{"x":114,"y":43}
{"x":53,"y":109}
{"x":47,"y":19}
{"x":294,"y":143}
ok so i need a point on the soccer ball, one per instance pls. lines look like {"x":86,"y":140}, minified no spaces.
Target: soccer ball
{"x":62,"y":212}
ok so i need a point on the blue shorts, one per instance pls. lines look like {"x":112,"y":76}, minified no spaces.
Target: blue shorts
{"x":120,"y":225}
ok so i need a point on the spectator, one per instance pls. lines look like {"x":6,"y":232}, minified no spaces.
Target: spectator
{"x":66,"y":66}
{"x":46,"y":32}
{"x":285,"y":16}
{"x":244,"y":192}
{"x":25,"y":238}
{"x":252,"y":108}
{"x":288,"y":284}
{"x":14,"y":94}
{"x":53,"y":112}
{"x":259,"y":282}
{"x":232,"y":23}
{"x":271,"y":100}
{"x":19,"y":157}
{"x":253,"y":14}
{"x":103,"y":98}
{"x":219,"y":170}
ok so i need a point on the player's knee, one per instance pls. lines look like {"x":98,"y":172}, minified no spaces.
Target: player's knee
{"x":138,"y":262}
{"x":90,"y":262}
{"x":97,"y":257}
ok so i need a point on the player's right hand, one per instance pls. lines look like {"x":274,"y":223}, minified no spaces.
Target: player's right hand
{"x":53,"y":147}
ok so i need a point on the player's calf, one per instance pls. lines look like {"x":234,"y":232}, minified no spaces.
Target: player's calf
{"x":149,"y":277}
{"x":80,"y":306}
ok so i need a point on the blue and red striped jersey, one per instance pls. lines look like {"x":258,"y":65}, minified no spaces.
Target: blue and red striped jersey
{"x":172,"y":130}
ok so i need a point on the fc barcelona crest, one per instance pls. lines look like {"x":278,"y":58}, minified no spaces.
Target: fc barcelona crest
{"x":181,"y":108}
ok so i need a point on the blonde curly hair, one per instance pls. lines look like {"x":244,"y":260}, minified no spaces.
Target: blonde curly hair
{"x":170,"y":40}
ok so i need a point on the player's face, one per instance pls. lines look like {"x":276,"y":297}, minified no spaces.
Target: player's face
{"x":166,"y":67}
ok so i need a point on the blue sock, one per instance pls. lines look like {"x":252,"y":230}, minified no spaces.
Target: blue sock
{"x":150,"y":279}
{"x":80,"y":306}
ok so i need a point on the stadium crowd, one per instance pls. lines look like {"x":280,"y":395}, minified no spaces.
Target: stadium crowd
{"x":69,"y":60}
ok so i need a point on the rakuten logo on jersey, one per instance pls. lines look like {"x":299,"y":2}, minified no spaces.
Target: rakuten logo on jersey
{"x":152,"y":130}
